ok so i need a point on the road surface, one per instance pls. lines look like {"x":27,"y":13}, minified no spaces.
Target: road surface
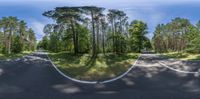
{"x":34,"y":77}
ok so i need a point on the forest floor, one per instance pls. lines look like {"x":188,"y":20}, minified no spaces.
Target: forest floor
{"x":182,"y":56}
{"x":14,"y":56}
{"x":84,"y":67}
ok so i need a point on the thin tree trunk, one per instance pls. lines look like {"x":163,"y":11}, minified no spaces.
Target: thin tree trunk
{"x":5,"y":38}
{"x":21,"y":40}
{"x":77,"y":43}
{"x":103,"y":35}
{"x":121,"y":48}
{"x":97,"y":36}
{"x":113,"y":36}
{"x":74,"y":37}
{"x":9,"y":42}
{"x":93,"y":37}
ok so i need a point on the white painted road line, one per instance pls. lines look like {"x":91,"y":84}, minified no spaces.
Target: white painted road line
{"x":75,"y":80}
{"x":93,"y":82}
{"x":177,"y":70}
{"x":119,"y":77}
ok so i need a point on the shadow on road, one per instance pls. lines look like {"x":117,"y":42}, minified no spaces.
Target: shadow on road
{"x":33,"y":77}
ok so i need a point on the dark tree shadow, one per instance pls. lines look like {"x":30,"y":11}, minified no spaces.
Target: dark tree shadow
{"x":40,"y":80}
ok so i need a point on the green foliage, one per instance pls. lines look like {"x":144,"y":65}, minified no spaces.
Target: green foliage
{"x":183,"y":55}
{"x":17,"y":46}
{"x":83,"y":35}
{"x":53,"y":44}
{"x":1,"y":42}
{"x":138,"y":40}
{"x":100,"y":68}
{"x":44,"y":44}
{"x":176,"y":55}
{"x":14,"y":56}
{"x":177,"y":35}
{"x":147,"y":44}
{"x":15,"y":36}
{"x":194,"y":45}
{"x":86,"y":29}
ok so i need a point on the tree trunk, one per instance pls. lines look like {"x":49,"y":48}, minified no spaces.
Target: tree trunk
{"x":103,"y":37}
{"x":5,"y":42}
{"x":113,"y":35}
{"x":74,"y":37}
{"x":115,"y":38}
{"x":93,"y":37}
{"x":9,"y":42}
{"x":97,"y":24}
{"x":77,"y":43}
{"x":21,"y":40}
{"x":121,"y":48}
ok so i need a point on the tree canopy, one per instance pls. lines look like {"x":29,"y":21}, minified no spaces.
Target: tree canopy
{"x":178,"y":35}
{"x":15,"y":36}
{"x":89,"y":29}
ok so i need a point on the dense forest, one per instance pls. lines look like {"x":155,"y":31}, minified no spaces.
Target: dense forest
{"x":179,"y":35}
{"x":15,"y":36}
{"x":89,"y":42}
{"x":94,"y":30}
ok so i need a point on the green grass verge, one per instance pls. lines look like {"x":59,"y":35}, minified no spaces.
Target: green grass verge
{"x":182,"y":56}
{"x":85,"y":68}
{"x":14,"y":56}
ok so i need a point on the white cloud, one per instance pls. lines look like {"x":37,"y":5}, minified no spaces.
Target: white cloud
{"x":38,"y":26}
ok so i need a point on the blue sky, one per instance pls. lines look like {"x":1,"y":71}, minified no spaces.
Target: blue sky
{"x":152,"y":12}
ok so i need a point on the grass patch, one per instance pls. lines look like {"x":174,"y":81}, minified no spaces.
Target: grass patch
{"x":182,"y":56}
{"x":14,"y":56}
{"x":86,"y":68}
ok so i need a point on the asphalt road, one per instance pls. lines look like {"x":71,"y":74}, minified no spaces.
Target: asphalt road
{"x":33,"y":77}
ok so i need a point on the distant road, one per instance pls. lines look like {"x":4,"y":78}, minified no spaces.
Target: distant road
{"x":33,"y":77}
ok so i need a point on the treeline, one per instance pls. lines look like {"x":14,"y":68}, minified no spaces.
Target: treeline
{"x":15,"y":36}
{"x":91,"y":29}
{"x":178,"y":35}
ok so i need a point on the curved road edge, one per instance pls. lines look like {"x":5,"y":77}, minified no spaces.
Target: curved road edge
{"x":93,"y":82}
{"x":180,"y":71}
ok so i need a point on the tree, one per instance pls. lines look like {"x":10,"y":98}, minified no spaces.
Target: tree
{"x":147,"y":44}
{"x":31,"y":40}
{"x":9,"y":25}
{"x":94,"y":12}
{"x":15,"y":36}
{"x":43,"y":44}
{"x":22,"y":31}
{"x":17,"y":46}
{"x":173,"y":36}
{"x":53,"y":31}
{"x":83,"y":40}
{"x":103,"y":30}
{"x":112,"y":17}
{"x":193,"y":37}
{"x":117,"y":21}
{"x":158,"y":39}
{"x":69,"y":16}
{"x":75,"y":28}
{"x":138,"y":31}
{"x":1,"y":41}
